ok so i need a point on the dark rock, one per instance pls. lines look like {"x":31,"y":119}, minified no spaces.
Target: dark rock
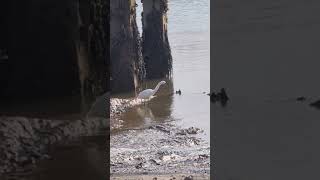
{"x":182,"y":132}
{"x":139,"y":166}
{"x":161,"y":128}
{"x":155,"y":161}
{"x":213,"y":97}
{"x":203,"y":156}
{"x":301,"y":98}
{"x":191,"y":130}
{"x":316,"y":104}
{"x":221,"y":97}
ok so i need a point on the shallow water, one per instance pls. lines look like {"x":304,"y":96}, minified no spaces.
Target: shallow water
{"x":266,"y":54}
{"x":81,"y":159}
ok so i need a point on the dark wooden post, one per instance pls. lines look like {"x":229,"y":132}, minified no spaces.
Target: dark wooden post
{"x":156,"y":48}
{"x":127,"y":68}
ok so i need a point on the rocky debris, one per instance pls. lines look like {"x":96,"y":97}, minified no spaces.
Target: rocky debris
{"x":169,"y":129}
{"x":159,"y":149}
{"x":161,"y":128}
{"x":120,"y":105}
{"x":162,"y":177}
{"x":315,"y":104}
{"x":203,"y":156}
{"x":138,"y":166}
{"x":189,"y":177}
{"x":191,"y":130}
{"x":156,"y":161}
{"x":26,"y":140}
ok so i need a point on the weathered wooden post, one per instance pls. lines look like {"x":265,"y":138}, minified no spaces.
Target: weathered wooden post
{"x":127,"y":67}
{"x":156,"y":48}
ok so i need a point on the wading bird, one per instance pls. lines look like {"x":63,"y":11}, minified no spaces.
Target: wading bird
{"x":148,"y":93}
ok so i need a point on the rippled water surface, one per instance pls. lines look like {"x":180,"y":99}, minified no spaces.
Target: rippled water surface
{"x":266,"y":54}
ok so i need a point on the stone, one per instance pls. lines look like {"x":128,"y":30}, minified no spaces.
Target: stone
{"x":301,"y":98}
{"x":189,"y":177}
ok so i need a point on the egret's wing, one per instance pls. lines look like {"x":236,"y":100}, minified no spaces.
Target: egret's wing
{"x":145,"y":93}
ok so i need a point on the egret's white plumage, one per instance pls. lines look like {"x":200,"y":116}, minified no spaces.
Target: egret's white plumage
{"x":148,"y":93}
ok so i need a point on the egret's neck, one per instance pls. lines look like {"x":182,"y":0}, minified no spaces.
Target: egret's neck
{"x":156,"y":88}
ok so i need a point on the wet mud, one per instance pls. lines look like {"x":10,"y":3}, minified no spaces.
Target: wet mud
{"x":159,"y":149}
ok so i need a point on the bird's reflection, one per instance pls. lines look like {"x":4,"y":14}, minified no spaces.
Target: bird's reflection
{"x":146,"y":114}
{"x":101,"y":106}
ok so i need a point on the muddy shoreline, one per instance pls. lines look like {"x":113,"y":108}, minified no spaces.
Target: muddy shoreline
{"x":159,"y":150}
{"x":162,"y":177}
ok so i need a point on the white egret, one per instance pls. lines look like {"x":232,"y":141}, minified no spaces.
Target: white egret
{"x":148,"y":93}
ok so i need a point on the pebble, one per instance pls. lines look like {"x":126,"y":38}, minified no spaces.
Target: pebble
{"x":189,"y":178}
